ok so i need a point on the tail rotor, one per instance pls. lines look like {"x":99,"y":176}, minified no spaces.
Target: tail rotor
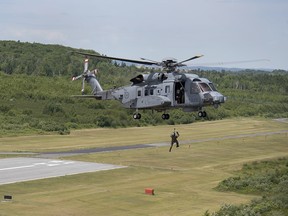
{"x":89,"y":77}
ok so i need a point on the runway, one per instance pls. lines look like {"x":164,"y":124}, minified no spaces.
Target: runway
{"x":21,"y":169}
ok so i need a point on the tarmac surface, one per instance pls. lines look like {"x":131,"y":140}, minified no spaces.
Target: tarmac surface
{"x":21,"y":169}
{"x":91,"y":150}
{"x":141,"y":146}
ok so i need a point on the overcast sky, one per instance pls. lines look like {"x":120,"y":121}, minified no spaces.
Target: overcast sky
{"x":221,"y":30}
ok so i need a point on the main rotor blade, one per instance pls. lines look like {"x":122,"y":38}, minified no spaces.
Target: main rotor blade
{"x":234,"y":62}
{"x":116,"y":58}
{"x":194,"y":57}
{"x":152,"y":61}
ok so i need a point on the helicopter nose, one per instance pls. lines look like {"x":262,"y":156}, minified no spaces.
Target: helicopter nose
{"x":217,"y":98}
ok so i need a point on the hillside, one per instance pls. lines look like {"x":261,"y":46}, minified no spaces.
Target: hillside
{"x":37,"y":59}
{"x":35,"y":92}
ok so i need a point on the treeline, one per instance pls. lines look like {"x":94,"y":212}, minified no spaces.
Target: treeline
{"x":56,"y":60}
{"x":38,"y":59}
{"x":268,"y":179}
{"x":35,"y":92}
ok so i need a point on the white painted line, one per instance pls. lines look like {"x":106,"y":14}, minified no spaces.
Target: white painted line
{"x":20,"y":167}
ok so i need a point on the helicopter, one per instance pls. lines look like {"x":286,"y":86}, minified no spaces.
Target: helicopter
{"x":159,"y":91}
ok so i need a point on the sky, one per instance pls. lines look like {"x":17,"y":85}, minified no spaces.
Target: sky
{"x":221,"y":30}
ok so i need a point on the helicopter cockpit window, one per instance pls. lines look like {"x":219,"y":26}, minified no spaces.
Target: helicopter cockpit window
{"x":205,"y":87}
{"x":212,"y":86}
{"x":194,"y":88}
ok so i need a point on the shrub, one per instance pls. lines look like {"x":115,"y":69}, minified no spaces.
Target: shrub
{"x":53,"y":108}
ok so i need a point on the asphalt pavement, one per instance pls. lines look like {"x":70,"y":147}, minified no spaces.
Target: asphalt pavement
{"x":21,"y":169}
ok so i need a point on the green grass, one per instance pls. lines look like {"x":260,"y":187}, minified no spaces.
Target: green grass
{"x":103,"y":137}
{"x":183,"y":179}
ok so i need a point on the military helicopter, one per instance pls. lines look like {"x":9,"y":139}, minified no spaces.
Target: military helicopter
{"x":160,"y":91}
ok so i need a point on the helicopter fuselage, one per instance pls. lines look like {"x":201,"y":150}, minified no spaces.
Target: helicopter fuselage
{"x":164,"y":91}
{"x":158,"y":91}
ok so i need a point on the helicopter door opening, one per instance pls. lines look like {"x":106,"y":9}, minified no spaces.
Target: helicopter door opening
{"x":180,"y":92}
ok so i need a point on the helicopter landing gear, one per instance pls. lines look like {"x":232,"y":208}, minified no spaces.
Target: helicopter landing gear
{"x":202,"y":114}
{"x":137,"y":116}
{"x":165,"y":116}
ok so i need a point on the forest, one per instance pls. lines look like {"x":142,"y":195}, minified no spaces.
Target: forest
{"x":36,"y":90}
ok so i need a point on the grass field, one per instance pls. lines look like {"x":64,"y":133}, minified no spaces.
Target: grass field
{"x":183,"y":179}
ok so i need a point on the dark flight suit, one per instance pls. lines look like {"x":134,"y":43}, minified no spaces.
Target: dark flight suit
{"x":174,"y":137}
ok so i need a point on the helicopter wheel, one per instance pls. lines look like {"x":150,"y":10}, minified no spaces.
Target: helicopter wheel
{"x":137,"y":116}
{"x":165,"y":116}
{"x":202,"y":114}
